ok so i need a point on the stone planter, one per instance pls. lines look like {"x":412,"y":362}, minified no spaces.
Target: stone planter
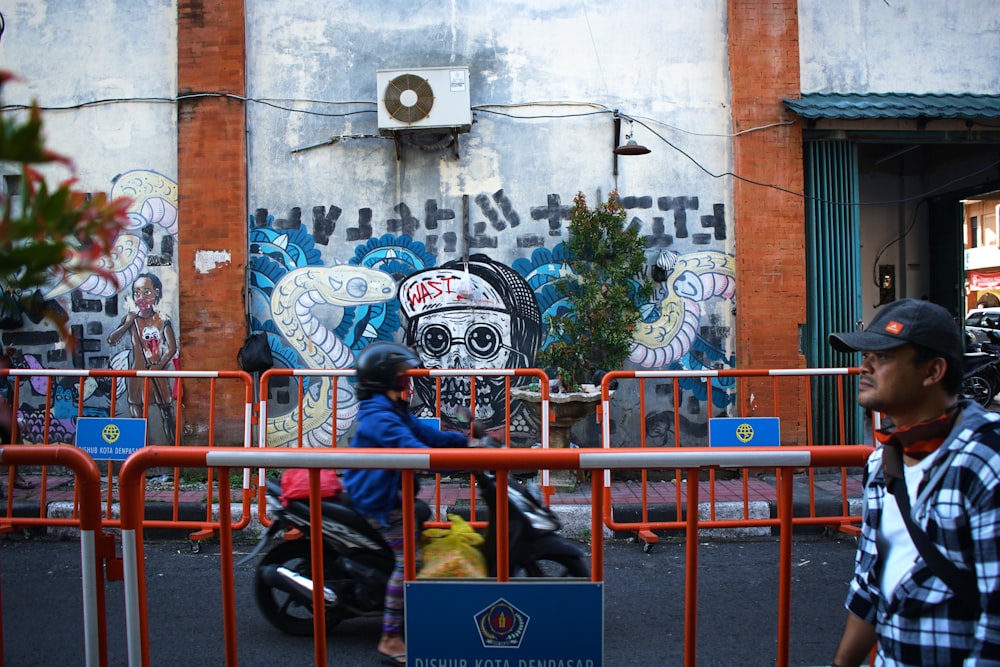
{"x":568,"y":408}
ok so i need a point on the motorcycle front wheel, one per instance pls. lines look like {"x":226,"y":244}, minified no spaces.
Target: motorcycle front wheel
{"x":979,"y":389}
{"x":554,"y":567}
{"x":283,"y":610}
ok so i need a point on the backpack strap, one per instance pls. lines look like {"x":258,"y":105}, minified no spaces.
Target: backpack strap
{"x":962,"y":582}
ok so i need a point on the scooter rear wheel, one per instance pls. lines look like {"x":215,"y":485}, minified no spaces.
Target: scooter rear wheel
{"x":283,"y":610}
{"x":555,"y":566}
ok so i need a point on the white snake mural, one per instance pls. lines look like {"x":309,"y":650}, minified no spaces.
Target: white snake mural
{"x":295,"y":303}
{"x":154,"y":202}
{"x":317,"y":316}
{"x":691,"y":279}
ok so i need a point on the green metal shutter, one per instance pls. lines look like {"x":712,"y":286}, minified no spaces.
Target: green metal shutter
{"x":833,"y":274}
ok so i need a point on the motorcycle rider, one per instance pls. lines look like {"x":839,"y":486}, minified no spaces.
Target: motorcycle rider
{"x":384,"y":421}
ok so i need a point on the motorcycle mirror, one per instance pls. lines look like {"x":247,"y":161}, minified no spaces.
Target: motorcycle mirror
{"x":463,"y":415}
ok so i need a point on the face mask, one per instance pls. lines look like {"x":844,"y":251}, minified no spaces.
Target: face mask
{"x":403,"y":384}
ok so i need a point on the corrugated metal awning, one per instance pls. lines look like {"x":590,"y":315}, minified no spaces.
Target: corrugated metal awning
{"x":894,"y":105}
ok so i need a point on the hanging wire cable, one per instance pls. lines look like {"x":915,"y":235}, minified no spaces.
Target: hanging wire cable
{"x":495,"y":109}
{"x":802,"y":195}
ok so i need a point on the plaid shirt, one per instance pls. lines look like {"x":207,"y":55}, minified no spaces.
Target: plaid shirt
{"x":958,"y":505}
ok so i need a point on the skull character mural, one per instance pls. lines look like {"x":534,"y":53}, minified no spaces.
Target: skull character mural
{"x":475,"y":315}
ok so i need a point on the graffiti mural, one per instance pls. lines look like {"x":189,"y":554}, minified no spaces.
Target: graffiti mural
{"x":480,"y":313}
{"x":317,"y":316}
{"x":475,"y":314}
{"x":144,"y":286}
{"x":153,"y":347}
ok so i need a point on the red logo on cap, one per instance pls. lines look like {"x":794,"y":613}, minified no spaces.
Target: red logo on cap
{"x":894,"y":327}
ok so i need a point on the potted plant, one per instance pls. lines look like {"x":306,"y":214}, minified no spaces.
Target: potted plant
{"x":602,"y":293}
{"x":593,"y":332}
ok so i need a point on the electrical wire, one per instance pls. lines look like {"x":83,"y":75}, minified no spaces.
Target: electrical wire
{"x":802,"y":195}
{"x":597,"y":109}
{"x":894,"y":241}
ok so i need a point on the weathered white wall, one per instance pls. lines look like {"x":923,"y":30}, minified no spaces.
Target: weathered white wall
{"x":70,"y":54}
{"x":664,"y":62}
{"x":105,"y":76}
{"x":899,"y":46}
{"x":545,"y":79}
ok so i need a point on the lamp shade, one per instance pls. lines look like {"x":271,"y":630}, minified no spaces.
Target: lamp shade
{"x":631,"y":148}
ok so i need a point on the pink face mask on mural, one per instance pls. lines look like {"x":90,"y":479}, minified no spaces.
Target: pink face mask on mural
{"x":144,"y":297}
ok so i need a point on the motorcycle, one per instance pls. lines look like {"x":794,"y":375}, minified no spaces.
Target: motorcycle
{"x":357,"y":562}
{"x":981,"y":372}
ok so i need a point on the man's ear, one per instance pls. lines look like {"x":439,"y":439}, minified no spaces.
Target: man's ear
{"x":936,"y":369}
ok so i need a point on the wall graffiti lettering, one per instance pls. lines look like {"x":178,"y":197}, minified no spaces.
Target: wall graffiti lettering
{"x":500,"y":215}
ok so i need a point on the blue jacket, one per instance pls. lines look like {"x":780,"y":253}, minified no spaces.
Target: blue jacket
{"x":381,"y":424}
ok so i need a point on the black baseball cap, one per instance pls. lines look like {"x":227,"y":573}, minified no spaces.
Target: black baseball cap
{"x":905,"y":321}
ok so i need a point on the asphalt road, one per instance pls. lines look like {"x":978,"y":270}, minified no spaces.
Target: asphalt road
{"x":643,"y":606}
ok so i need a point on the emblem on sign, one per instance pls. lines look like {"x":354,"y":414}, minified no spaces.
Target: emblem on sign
{"x":110,"y":434}
{"x":744,"y":433}
{"x":501,"y":625}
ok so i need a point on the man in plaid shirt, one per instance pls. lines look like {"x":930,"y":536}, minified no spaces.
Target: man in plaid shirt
{"x":947,"y":450}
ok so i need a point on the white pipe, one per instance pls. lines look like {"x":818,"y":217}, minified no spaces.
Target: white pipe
{"x":88,"y":567}
{"x":133,"y":631}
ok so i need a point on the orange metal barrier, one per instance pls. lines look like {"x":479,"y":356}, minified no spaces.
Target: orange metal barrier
{"x":97,"y":548}
{"x":295,"y":439}
{"x":49,"y":401}
{"x":785,"y":459}
{"x":802,"y":390}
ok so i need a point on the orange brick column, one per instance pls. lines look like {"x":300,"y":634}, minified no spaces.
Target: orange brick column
{"x":212,"y":186}
{"x":769,"y":225}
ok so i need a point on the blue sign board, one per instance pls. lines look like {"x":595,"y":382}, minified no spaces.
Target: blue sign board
{"x":468,"y":622}
{"x":110,"y":439}
{"x":744,"y":432}
{"x":431,"y":421}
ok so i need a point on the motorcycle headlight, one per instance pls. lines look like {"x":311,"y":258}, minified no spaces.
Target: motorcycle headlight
{"x":542,"y":522}
{"x":273,"y":504}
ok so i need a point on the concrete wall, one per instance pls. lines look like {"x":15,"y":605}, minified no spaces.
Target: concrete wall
{"x":899,"y":46}
{"x":545,"y":78}
{"x":105,"y":76}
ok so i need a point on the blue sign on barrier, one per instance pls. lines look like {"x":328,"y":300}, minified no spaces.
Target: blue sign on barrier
{"x":744,"y":432}
{"x":463,"y":623}
{"x":110,"y":439}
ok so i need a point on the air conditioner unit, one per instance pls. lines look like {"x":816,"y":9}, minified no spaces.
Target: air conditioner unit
{"x":423,"y":98}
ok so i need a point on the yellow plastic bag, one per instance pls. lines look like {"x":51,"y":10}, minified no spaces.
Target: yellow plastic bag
{"x":452,"y":552}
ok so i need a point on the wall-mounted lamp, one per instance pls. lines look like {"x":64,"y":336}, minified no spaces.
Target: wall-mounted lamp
{"x":630,"y":147}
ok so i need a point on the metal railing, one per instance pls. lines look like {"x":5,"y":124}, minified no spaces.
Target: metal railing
{"x":785,"y":459}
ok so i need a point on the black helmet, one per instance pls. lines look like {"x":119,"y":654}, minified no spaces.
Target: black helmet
{"x":379,"y":363}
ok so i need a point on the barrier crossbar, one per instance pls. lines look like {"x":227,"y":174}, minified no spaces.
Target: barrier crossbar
{"x":336,"y":376}
{"x":768,"y":396}
{"x":68,"y":394}
{"x":409,"y":461}
{"x":97,"y":549}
